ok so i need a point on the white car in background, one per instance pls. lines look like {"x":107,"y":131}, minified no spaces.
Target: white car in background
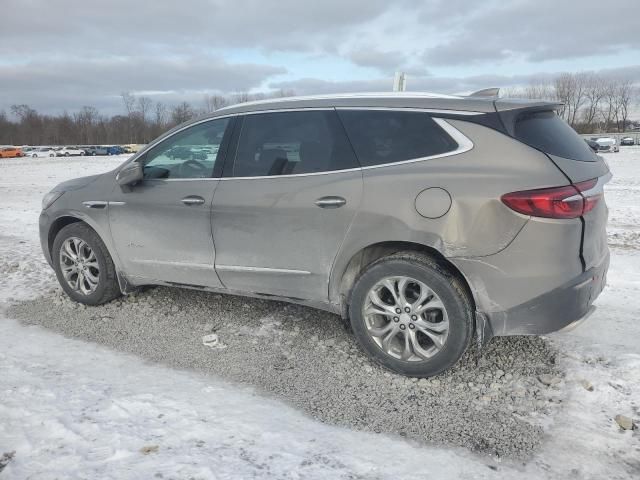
{"x":69,"y":152}
{"x":606,"y":144}
{"x":41,"y":152}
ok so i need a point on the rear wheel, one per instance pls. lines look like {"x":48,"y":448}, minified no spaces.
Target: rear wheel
{"x":83,"y":265}
{"x":411,"y":315}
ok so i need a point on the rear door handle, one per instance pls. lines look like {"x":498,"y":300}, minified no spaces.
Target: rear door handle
{"x":193,"y":200}
{"x":331,"y":202}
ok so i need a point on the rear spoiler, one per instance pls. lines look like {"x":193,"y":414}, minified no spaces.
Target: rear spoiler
{"x":509,"y":109}
{"x":486,"y":92}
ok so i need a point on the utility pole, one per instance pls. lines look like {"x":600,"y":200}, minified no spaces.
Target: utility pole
{"x":400,"y":82}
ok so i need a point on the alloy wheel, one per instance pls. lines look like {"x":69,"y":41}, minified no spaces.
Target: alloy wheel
{"x":79,"y":265}
{"x":406,"y":318}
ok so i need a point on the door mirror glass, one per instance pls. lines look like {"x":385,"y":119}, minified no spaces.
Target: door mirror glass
{"x":130,"y":174}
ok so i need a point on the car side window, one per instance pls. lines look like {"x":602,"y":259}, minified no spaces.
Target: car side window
{"x":388,"y":136}
{"x":290,"y":143}
{"x":190,"y":153}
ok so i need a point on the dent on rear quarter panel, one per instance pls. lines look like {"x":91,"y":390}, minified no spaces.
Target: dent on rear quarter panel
{"x":478,"y":224}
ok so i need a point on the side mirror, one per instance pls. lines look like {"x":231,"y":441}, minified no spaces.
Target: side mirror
{"x":130,"y":175}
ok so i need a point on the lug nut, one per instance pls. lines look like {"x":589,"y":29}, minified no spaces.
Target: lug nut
{"x":402,"y":327}
{"x":398,"y":310}
{"x":396,"y":319}
{"x":412,"y":326}
{"x":407,"y":309}
{"x":414,"y":317}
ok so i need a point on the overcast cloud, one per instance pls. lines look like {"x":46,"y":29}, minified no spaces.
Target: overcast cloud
{"x":59,"y":55}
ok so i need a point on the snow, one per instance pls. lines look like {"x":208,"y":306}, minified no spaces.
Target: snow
{"x":71,"y":409}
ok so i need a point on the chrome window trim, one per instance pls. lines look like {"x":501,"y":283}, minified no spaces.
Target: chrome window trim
{"x":464,"y":145}
{"x":416,"y":109}
{"x":285,"y":110}
{"x":240,"y":268}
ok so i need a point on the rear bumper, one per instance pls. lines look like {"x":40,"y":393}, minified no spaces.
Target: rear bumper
{"x":561,"y":308}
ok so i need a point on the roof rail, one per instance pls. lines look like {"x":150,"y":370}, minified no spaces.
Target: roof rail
{"x":486,"y":92}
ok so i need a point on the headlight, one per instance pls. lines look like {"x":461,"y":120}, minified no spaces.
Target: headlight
{"x":49,"y":198}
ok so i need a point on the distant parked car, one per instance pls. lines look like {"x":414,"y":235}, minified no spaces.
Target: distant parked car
{"x":115,"y":150}
{"x":606,"y":144}
{"x":10,"y":152}
{"x":627,"y":141}
{"x":128,"y":149}
{"x":69,"y":152}
{"x":42,"y":152}
{"x":95,"y":150}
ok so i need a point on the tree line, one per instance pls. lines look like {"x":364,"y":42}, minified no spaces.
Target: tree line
{"x":142,"y":121}
{"x":591,"y":103}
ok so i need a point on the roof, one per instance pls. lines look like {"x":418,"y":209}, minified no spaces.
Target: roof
{"x":382,"y":99}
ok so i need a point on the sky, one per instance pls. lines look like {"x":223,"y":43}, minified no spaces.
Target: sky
{"x":58,"y":55}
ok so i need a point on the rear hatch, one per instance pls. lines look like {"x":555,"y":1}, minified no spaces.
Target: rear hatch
{"x":537,"y":125}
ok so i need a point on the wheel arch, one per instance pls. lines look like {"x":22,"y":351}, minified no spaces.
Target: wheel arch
{"x":57,"y":225}
{"x":69,"y":219}
{"x":343,"y":282}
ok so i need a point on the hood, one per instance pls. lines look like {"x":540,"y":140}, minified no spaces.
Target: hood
{"x":75,"y":183}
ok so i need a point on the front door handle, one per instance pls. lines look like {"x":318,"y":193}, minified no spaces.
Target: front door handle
{"x":193,"y":200}
{"x":330,"y":202}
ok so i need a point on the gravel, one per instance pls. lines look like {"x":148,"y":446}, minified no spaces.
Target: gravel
{"x":306,"y":358}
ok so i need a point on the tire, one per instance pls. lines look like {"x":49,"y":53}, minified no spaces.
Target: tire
{"x":411,"y":351}
{"x":106,"y":287}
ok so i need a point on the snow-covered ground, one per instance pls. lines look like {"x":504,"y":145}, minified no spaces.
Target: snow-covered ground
{"x":71,"y":409}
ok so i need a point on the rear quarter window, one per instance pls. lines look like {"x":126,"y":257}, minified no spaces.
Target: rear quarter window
{"x":380,"y":136}
{"x":549,"y":133}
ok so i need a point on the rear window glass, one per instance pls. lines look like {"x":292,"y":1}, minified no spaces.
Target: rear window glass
{"x":381,"y":136}
{"x":549,"y":133}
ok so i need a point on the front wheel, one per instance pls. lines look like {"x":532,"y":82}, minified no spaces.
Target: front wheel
{"x":83,"y":265}
{"x":411,"y":315}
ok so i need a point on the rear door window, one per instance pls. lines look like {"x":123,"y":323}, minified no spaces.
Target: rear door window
{"x":290,"y":143}
{"x":385,"y":136}
{"x":549,"y":133}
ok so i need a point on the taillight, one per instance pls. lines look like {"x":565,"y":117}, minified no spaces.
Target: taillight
{"x":590,"y":197}
{"x":569,"y":201}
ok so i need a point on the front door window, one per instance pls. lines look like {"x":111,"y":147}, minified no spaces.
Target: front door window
{"x":191,"y":153}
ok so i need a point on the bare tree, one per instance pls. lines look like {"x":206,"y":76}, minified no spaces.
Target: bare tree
{"x":214,"y":102}
{"x":85,"y":120}
{"x":242,"y":97}
{"x":181,"y":113}
{"x":609,"y":105}
{"x":594,"y":92}
{"x":624,"y":96}
{"x":129,"y":102}
{"x":144,"y":107}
